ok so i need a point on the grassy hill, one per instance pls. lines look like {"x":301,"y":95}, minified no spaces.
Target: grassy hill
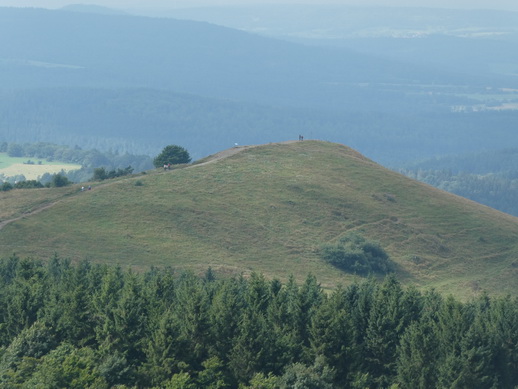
{"x":269,"y":209}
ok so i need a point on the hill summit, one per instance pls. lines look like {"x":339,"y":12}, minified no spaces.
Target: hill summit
{"x":270,"y":209}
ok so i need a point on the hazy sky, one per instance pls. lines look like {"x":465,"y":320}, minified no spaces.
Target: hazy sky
{"x":128,"y":4}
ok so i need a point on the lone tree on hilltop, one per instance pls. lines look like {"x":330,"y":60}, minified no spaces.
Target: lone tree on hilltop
{"x":173,"y":155}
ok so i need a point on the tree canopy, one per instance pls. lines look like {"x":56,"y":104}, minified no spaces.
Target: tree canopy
{"x":87,"y":325}
{"x":173,"y":155}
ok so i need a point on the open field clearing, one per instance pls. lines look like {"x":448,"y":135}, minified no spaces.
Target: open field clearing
{"x":32,"y":172}
{"x":13,"y":166}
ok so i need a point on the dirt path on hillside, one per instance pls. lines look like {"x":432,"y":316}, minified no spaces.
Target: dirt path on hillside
{"x":32,"y":212}
{"x":234,"y":150}
{"x":210,"y":159}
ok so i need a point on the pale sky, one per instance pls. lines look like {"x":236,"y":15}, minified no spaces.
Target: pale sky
{"x":511,"y":5}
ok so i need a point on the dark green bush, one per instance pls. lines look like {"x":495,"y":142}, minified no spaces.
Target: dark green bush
{"x":28,"y":184}
{"x":6,"y":186}
{"x":101,"y":174}
{"x":353,"y":253}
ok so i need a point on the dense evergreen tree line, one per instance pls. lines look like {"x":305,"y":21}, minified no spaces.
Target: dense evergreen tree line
{"x":96,"y":326}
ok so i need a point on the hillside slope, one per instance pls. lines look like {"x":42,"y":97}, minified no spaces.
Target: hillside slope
{"x":269,"y":209}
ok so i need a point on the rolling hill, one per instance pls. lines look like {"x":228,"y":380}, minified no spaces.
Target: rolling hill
{"x":270,"y":208}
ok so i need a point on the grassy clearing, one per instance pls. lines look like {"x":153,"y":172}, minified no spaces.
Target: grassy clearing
{"x":14,"y":166}
{"x":269,"y":209}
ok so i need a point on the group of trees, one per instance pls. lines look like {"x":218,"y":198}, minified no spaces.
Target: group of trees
{"x":56,"y":181}
{"x":100,"y":173}
{"x":97,"y":326}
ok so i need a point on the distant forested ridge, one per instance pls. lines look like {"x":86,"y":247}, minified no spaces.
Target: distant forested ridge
{"x":142,"y":121}
{"x":467,"y":41}
{"x":96,"y":326}
{"x":191,"y":57}
{"x":490,"y":178}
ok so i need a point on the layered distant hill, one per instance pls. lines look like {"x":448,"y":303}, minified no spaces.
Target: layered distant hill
{"x":270,"y":209}
{"x":474,"y":41}
{"x":134,"y":84}
{"x":59,"y":48}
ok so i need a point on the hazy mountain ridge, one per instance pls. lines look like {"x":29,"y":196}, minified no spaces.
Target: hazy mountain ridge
{"x":478,"y":41}
{"x":90,"y":8}
{"x":192,"y":57}
{"x":345,"y":21}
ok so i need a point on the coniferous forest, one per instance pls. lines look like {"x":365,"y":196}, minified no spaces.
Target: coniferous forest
{"x":85,"y":325}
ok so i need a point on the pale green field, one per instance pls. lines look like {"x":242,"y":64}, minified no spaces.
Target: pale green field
{"x":14,"y":166}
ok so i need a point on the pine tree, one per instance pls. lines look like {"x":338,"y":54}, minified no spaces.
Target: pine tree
{"x":418,"y":356}
{"x":163,"y":351}
{"x":225,"y":314}
{"x":387,"y":322}
{"x":504,"y":328}
{"x":191,"y":310}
